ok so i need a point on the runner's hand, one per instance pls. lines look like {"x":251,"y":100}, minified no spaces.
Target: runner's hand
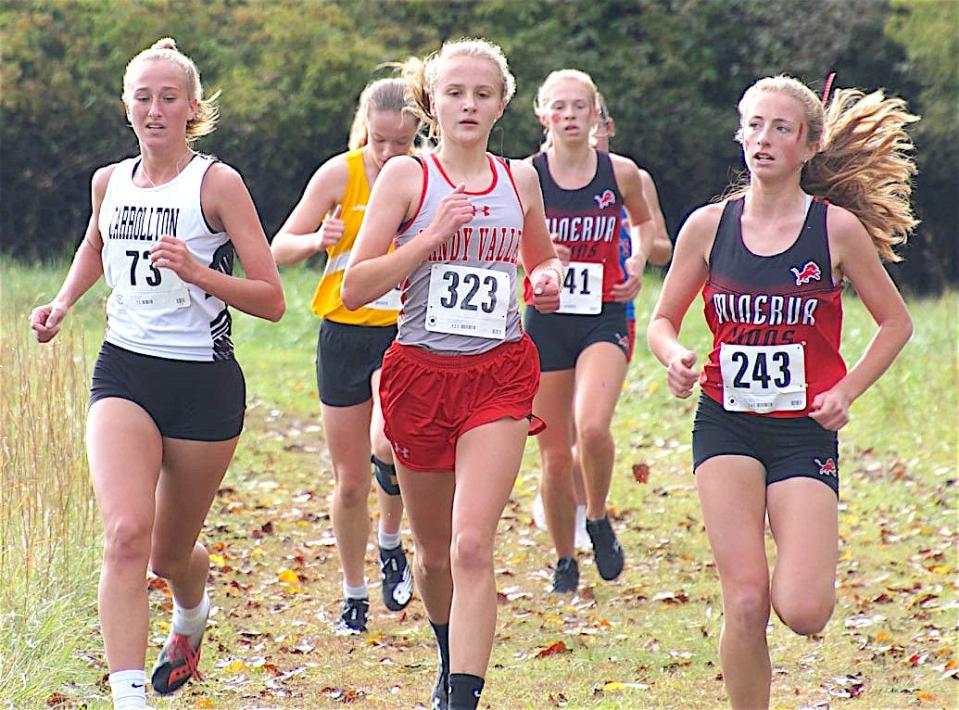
{"x":454,"y":211}
{"x":830,"y":409}
{"x":171,"y":253}
{"x":680,"y":375}
{"x":546,"y":290}
{"x":331,"y":231}
{"x":628,"y":290}
{"x":45,"y":321}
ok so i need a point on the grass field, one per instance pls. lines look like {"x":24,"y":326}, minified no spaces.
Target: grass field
{"x":645,"y":641}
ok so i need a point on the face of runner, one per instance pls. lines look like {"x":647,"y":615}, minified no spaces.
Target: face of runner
{"x":774,"y":135}
{"x":570,"y":111}
{"x":391,"y":133}
{"x":160,"y":104}
{"x":605,"y":129}
{"x":468,"y":99}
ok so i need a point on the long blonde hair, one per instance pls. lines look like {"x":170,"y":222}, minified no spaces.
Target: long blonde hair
{"x":164,"y":50}
{"x":420,"y":75}
{"x":864,"y":163}
{"x":379,"y":95}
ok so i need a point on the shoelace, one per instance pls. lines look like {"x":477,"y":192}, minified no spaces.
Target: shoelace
{"x":181,"y":646}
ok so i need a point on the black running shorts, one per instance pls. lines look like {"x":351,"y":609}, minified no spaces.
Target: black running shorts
{"x":561,"y":338}
{"x":786,"y":446}
{"x":346,"y":358}
{"x":200,"y":401}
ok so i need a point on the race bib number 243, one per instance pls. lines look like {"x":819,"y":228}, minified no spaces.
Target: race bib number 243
{"x":763,"y":378}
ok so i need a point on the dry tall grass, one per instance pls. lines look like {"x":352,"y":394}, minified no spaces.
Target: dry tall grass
{"x":48,"y":524}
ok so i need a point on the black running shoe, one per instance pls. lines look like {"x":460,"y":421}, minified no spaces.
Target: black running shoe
{"x":397,"y":578}
{"x":353,"y":617}
{"x":607,"y":552}
{"x":566,"y":576}
{"x":440,"y":699}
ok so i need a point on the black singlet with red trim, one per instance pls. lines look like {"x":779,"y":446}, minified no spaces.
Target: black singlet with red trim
{"x":781,"y":299}
{"x":586,"y":220}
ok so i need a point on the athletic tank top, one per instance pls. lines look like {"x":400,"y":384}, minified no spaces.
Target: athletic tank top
{"x":587,"y":221}
{"x":462,"y":299}
{"x":152,"y":311}
{"x":776,"y":320}
{"x":327,"y":302}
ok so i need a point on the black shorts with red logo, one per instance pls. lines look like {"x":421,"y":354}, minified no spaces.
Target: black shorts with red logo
{"x":562,"y":337}
{"x":430,"y":400}
{"x":786,"y":446}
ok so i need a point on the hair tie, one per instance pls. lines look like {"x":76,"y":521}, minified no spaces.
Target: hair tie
{"x":827,"y":88}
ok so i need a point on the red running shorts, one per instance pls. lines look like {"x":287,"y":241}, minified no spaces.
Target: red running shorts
{"x":430,"y":400}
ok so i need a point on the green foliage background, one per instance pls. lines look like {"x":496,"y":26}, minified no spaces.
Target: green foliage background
{"x":291,"y":71}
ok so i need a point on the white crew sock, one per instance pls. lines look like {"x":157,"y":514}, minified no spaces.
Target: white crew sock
{"x":360,"y":592}
{"x":387,"y":540}
{"x":191,"y":622}
{"x":128,"y":689}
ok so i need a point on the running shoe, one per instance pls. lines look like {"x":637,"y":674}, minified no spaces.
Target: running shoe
{"x":353,"y":617}
{"x":397,"y":579}
{"x":177,"y":663}
{"x":607,"y":552}
{"x":566,"y":576}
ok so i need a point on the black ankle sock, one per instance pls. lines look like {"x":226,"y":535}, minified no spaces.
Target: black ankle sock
{"x":465,"y":691}
{"x":442,"y":632}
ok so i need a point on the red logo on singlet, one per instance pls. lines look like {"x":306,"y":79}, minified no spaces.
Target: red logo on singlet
{"x":809,"y":272}
{"x":606,"y":199}
{"x":484,"y":209}
{"x":827,"y":468}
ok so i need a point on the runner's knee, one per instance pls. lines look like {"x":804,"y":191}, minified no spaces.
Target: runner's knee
{"x":126,"y":542}
{"x":746,"y":607}
{"x":471,"y":552}
{"x":805,"y":613}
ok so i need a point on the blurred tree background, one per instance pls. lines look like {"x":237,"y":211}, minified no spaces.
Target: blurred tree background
{"x":291,"y":72}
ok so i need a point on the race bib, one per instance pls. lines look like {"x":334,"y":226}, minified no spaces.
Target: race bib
{"x":139,"y":284}
{"x":763,"y":378}
{"x":389,"y":301}
{"x":582,"y":291}
{"x":464,"y":300}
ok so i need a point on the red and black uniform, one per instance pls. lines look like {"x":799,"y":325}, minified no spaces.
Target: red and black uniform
{"x":586,"y":220}
{"x":776,"y":323}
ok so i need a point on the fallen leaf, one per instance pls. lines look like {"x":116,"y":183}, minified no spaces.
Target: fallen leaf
{"x":641,"y":472}
{"x":552,"y":650}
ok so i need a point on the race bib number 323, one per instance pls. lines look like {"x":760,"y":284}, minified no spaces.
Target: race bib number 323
{"x":464,"y":300}
{"x":763,"y":378}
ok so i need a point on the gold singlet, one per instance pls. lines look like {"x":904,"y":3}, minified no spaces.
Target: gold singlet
{"x":327,"y":302}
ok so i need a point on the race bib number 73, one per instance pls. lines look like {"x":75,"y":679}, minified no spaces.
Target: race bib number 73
{"x":139,"y":284}
{"x":763,"y":378}
{"x":464,"y":300}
